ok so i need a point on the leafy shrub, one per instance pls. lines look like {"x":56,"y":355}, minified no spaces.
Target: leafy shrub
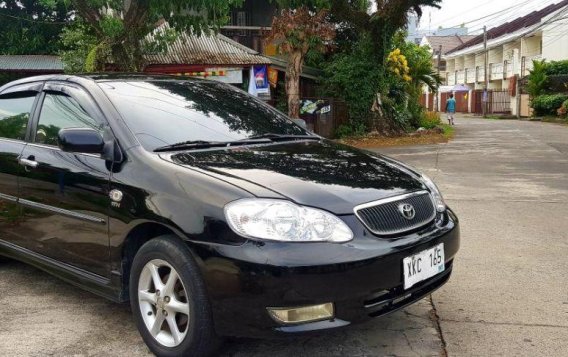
{"x":417,"y":112}
{"x":537,"y":79}
{"x":563,"y":110}
{"x":354,"y":77}
{"x":557,"y":83}
{"x":547,"y":77}
{"x":353,"y":129}
{"x":548,"y":104}
{"x":430,"y":120}
{"x":556,"y":67}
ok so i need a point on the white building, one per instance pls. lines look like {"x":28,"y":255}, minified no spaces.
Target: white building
{"x":511,"y":48}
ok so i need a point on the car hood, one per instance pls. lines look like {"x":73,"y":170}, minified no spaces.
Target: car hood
{"x":321,"y":174}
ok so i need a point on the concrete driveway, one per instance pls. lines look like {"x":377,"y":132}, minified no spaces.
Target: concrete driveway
{"x":508,"y":182}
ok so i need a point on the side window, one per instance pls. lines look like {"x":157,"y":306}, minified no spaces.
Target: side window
{"x":60,"y":111}
{"x":15,"y":111}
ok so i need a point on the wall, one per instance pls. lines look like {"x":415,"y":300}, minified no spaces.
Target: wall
{"x":497,"y":85}
{"x":531,"y":46}
{"x":555,"y":40}
{"x":526,"y":110}
{"x":459,"y":63}
{"x":469,"y":61}
{"x":451,"y":66}
{"x":496,"y":55}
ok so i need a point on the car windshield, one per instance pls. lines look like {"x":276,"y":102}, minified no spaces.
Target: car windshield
{"x":166,"y":112}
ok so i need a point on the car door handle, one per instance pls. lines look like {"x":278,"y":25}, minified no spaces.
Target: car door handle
{"x":28,"y":163}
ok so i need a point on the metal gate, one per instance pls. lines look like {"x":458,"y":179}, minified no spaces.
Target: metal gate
{"x":498,"y":102}
{"x":461,"y":101}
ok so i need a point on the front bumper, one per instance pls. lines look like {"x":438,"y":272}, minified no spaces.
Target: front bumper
{"x":363,"y":278}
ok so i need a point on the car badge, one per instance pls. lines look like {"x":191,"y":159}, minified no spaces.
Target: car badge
{"x":116,"y":197}
{"x":407,"y":210}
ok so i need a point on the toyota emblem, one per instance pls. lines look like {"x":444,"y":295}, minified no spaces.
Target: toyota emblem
{"x":407,"y":210}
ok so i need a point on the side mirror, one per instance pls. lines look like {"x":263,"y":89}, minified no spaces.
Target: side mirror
{"x":81,"y":140}
{"x":300,"y":122}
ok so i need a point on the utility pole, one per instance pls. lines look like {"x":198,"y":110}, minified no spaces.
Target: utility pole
{"x":437,"y":105}
{"x":485,"y":97}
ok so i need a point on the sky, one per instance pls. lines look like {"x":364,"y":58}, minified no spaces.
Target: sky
{"x":476,"y":13}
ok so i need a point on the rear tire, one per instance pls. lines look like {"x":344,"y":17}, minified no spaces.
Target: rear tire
{"x":169,"y":300}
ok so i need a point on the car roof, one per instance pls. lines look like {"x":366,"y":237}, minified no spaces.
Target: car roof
{"x":119,"y":76}
{"x":98,"y":77}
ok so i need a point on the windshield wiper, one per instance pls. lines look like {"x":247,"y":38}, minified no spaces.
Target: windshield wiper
{"x":202,"y":144}
{"x":257,"y":139}
{"x":275,"y":137}
{"x":192,"y":144}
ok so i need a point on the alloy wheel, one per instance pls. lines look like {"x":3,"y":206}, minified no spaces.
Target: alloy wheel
{"x":163,"y":302}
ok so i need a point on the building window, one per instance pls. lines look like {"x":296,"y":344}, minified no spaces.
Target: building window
{"x":241,"y":18}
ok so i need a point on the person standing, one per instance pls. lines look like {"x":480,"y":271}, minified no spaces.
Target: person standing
{"x":451,"y":109}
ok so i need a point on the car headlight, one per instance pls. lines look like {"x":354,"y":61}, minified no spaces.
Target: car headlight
{"x":280,"y":220}
{"x":438,"y":199}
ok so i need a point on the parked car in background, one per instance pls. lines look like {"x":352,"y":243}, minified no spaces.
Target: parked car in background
{"x":210,"y":211}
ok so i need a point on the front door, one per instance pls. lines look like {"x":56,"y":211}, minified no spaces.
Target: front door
{"x":15,"y":110}
{"x":65,"y":195}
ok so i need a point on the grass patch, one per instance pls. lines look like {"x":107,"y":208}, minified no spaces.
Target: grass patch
{"x":448,"y":131}
{"x":435,"y":136}
{"x":500,"y":117}
{"x":491,"y":117}
{"x":557,"y":120}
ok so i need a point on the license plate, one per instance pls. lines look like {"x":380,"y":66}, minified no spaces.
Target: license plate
{"x":423,"y":265}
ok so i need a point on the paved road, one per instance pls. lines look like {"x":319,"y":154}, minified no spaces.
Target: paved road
{"x":507,"y":180}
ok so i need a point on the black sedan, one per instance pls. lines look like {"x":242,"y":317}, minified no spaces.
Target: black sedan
{"x":210,"y":211}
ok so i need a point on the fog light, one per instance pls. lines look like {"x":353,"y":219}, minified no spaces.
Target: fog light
{"x":296,"y":315}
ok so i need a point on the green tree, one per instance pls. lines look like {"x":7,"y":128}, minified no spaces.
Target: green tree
{"x":79,"y":45}
{"x":30,"y":27}
{"x":380,"y":23}
{"x":296,"y":31}
{"x":420,"y":74}
{"x":353,"y":76}
{"x":120,"y":26}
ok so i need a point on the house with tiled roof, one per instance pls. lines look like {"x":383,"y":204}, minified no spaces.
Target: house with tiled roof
{"x":30,"y":64}
{"x":511,"y":49}
{"x":442,"y":45}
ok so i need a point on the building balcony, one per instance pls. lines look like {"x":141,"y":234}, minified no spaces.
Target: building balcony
{"x":508,"y":69}
{"x":460,"y":76}
{"x":480,"y":74}
{"x":527,"y":64}
{"x":451,"y":78}
{"x":496,"y":71}
{"x":470,"y":75}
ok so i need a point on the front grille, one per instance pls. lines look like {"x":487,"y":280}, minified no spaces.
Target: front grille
{"x":384,"y":217}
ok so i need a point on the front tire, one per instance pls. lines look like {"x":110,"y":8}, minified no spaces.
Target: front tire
{"x":169,"y":301}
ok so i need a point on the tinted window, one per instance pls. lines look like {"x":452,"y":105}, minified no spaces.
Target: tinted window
{"x":58,"y":112}
{"x":14,"y":114}
{"x":167,"y":112}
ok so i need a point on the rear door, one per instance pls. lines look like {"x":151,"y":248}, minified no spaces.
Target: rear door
{"x":16,"y":106}
{"x":65,"y":195}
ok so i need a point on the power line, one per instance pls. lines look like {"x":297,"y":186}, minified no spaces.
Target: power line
{"x":500,"y":19}
{"x":476,"y":6}
{"x":500,"y":16}
{"x":503,"y":16}
{"x":495,"y":14}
